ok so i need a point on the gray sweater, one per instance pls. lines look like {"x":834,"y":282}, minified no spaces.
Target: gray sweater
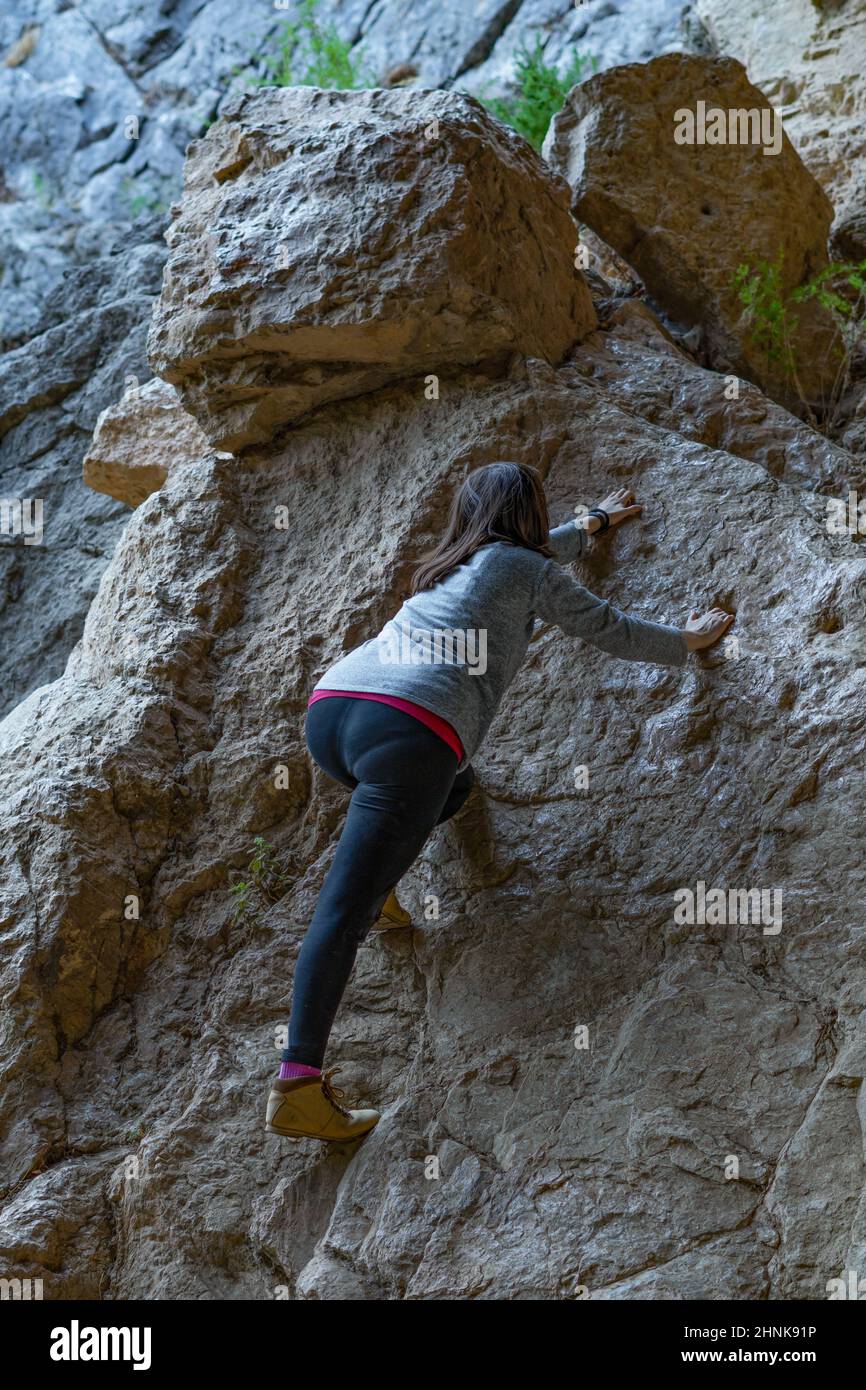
{"x":455,"y":648}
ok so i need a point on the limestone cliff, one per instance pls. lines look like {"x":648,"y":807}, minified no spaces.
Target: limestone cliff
{"x":581,"y":1064}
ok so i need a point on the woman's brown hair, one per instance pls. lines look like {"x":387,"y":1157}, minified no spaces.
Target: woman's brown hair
{"x":499,"y":502}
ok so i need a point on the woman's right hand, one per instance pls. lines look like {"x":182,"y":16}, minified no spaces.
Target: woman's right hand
{"x":703,"y":629}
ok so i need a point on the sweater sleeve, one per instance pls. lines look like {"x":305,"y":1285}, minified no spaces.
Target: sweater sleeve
{"x":568,"y":542}
{"x":561,"y":600}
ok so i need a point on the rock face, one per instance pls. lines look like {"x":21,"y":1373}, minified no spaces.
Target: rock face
{"x":90,"y":348}
{"x":582,"y":1065}
{"x":329,"y":244}
{"x":606,"y":35}
{"x":671,"y":391}
{"x":686,"y":215}
{"x":137,"y":441}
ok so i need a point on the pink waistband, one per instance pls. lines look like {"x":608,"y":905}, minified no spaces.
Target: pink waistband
{"x":424,"y":716}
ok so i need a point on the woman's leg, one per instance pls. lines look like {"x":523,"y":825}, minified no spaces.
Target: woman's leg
{"x":403,"y":775}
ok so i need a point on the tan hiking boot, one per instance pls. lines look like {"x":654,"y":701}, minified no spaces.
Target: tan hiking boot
{"x":392,"y":915}
{"x":308,"y":1107}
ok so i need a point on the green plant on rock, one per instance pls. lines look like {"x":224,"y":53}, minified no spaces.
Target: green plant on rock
{"x":312,"y":54}
{"x":761,"y":293}
{"x":541,"y":92}
{"x":42,"y":191}
{"x":840,"y":288}
{"x":139,"y":197}
{"x":771,"y":315}
{"x":264,"y":878}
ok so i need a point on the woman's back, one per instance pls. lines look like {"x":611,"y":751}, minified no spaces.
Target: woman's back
{"x":455,"y":648}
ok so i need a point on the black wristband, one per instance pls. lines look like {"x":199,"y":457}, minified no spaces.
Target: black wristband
{"x":603,"y":518}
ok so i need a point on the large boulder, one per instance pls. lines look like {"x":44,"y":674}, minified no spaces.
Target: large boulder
{"x":331,"y":242}
{"x":688,"y":213}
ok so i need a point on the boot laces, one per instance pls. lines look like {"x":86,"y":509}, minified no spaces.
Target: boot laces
{"x":333,"y":1093}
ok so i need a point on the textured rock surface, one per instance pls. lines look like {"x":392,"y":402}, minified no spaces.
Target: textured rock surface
{"x":143,"y":1017}
{"x":92,"y":345}
{"x":670,"y":390}
{"x":328,"y":244}
{"x":137,"y":441}
{"x":140,"y":1019}
{"x":686,"y":215}
{"x":606,"y":32}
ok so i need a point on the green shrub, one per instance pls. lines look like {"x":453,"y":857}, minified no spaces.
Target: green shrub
{"x":43,"y":193}
{"x":310,"y":54}
{"x":759,"y":289}
{"x":840,"y":288}
{"x":265,"y":878}
{"x":541,"y":92}
{"x":139,"y":197}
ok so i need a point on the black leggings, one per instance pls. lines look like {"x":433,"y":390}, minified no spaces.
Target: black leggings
{"x":404,"y":781}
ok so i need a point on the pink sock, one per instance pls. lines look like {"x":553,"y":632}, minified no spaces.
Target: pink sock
{"x":291,"y":1069}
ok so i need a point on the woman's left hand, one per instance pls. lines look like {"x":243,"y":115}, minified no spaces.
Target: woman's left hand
{"x":620,"y":505}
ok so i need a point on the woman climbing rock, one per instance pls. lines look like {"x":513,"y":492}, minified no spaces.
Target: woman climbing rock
{"x":398,"y":719}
